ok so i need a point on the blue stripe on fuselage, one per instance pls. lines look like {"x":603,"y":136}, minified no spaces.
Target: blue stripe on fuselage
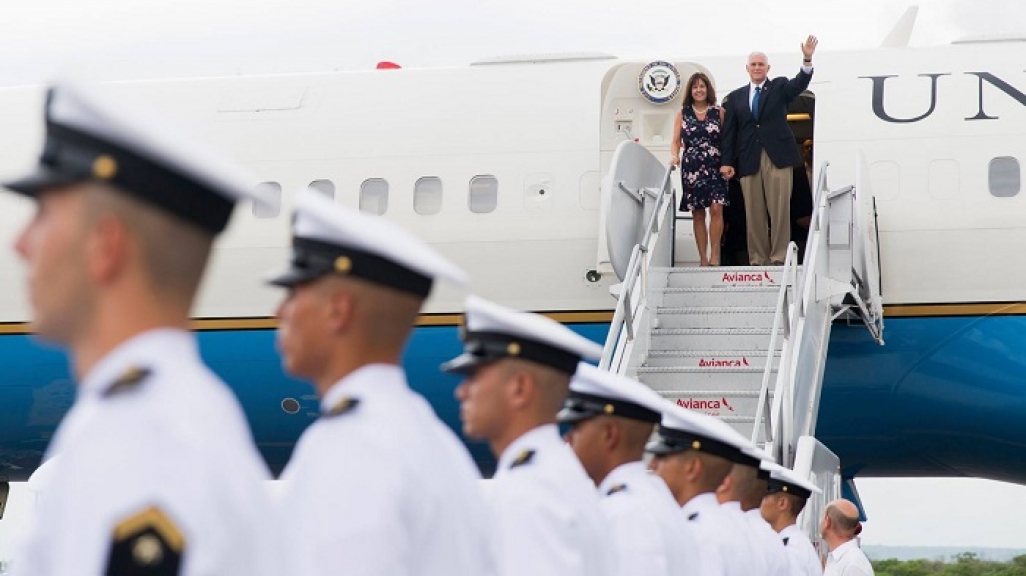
{"x":945,"y":396}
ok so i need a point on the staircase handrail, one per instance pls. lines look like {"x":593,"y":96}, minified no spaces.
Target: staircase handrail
{"x":626,"y":308}
{"x":781,"y":315}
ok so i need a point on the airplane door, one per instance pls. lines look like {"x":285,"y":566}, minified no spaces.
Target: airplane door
{"x":640,"y":101}
{"x":867,"y":244}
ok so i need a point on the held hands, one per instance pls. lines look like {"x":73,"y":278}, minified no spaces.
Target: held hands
{"x":810,"y":46}
{"x":727,"y":172}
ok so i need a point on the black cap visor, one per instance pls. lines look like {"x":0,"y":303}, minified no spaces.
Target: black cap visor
{"x":42,"y":179}
{"x":466,"y":363}
{"x":776,"y":486}
{"x":579,"y":406}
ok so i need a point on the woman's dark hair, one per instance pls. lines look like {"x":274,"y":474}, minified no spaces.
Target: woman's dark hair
{"x":710,"y":92}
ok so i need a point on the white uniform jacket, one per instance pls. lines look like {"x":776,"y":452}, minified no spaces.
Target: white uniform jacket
{"x":157,"y":474}
{"x":724,"y":551}
{"x":547,"y":517}
{"x":379,"y":486}
{"x":650,"y":535}
{"x":778,"y":563}
{"x":805,"y":560}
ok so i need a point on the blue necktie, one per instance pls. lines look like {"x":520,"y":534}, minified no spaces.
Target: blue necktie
{"x":755,"y":101}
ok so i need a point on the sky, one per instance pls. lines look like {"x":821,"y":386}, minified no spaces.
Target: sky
{"x":129,"y":39}
{"x":112,"y":39}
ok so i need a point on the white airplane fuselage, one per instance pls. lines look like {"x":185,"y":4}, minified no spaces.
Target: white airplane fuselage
{"x":943,"y":131}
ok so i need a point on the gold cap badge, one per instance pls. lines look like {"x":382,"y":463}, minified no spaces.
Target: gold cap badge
{"x":105,"y":167}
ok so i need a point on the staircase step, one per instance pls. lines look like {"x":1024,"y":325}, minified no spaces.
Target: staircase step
{"x":708,"y":358}
{"x":733,"y":407}
{"x":727,"y":297}
{"x":712,"y":339}
{"x":687,"y":378}
{"x":725,"y":276}
{"x":716,"y":317}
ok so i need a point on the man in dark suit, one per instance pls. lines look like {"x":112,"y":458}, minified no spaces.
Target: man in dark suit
{"x":759,"y":148}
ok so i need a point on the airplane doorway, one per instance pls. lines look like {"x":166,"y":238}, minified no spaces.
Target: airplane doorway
{"x":734,"y":251}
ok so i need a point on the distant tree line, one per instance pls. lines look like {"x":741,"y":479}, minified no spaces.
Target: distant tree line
{"x":965,"y":564}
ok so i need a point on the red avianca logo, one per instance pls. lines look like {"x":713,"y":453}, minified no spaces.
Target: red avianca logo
{"x":723,"y":362}
{"x":693,"y":404}
{"x":739,"y":277}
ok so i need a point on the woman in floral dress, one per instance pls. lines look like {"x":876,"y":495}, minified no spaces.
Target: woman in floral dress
{"x":698,"y":135}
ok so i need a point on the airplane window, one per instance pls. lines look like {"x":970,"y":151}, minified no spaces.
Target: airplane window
{"x":326,"y":187}
{"x":1004,"y":177}
{"x":273,"y":191}
{"x":374,"y":196}
{"x":427,"y":196}
{"x":484,"y":194}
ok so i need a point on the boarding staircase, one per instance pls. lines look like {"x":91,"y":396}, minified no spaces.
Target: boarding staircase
{"x":745,"y":344}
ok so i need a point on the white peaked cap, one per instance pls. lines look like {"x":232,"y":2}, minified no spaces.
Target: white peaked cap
{"x":92,"y":135}
{"x":595,"y":392}
{"x":681,"y":429}
{"x":492,"y":332}
{"x":332,"y":239}
{"x":787,"y":480}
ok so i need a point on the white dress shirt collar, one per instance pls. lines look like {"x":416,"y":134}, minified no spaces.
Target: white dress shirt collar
{"x":700,"y":503}
{"x":168,"y":342}
{"x":839,"y":552}
{"x":623,"y":474}
{"x":370,"y":379}
{"x":534,"y":439}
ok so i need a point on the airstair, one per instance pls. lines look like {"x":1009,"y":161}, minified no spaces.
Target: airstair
{"x":745,"y":344}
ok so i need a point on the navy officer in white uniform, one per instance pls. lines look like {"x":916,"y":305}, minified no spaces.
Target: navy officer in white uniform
{"x":377,"y":485}
{"x":518,"y":365}
{"x":153,"y":470}
{"x":741,"y":495}
{"x":611,"y":419}
{"x":694,"y":453}
{"x":787,"y":492}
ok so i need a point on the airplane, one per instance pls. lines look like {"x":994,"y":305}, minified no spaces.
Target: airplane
{"x":499,"y":165}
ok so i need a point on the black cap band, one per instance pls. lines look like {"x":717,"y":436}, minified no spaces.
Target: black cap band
{"x":671,"y":440}
{"x":312,"y":259}
{"x":491,"y":346}
{"x":775,"y":486}
{"x":579,"y":406}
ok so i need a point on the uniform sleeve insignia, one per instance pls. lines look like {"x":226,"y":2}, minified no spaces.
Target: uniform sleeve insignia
{"x":344,"y":405}
{"x":616,"y":488}
{"x":522,"y":458}
{"x":129,"y":380}
{"x":146,"y":544}
{"x":693,"y":517}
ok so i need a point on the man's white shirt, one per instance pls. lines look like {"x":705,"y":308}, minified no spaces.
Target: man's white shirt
{"x":848,"y":560}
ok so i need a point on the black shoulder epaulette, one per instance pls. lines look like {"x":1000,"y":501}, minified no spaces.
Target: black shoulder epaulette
{"x":693,"y":517}
{"x":341,"y":407}
{"x":616,"y":488}
{"x":146,"y":544}
{"x":522,"y":458}
{"x":129,"y":380}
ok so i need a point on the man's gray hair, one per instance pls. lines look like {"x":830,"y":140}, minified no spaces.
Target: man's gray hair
{"x":754,"y":54}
